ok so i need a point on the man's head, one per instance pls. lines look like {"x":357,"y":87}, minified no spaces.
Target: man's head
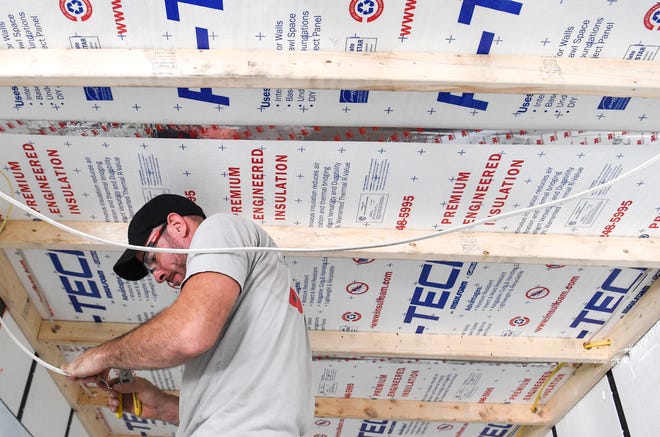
{"x":150,"y":224}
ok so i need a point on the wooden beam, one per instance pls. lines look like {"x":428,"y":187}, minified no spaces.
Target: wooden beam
{"x":427,"y":411}
{"x":82,"y":333}
{"x":454,"y":347}
{"x":625,"y":333}
{"x":404,"y":71}
{"x":382,"y":344}
{"x":459,"y":246}
{"x":28,"y":320}
{"x":398,"y":409}
{"x":18,"y":303}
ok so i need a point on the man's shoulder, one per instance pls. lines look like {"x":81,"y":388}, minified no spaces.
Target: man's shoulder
{"x":223,"y":218}
{"x":224,"y":223}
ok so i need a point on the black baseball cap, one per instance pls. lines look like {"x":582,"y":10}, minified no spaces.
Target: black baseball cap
{"x":152,"y":214}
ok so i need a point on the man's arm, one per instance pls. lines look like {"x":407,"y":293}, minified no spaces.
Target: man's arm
{"x":189,"y":327}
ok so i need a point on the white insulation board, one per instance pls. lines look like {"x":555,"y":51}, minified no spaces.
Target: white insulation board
{"x":585,"y":29}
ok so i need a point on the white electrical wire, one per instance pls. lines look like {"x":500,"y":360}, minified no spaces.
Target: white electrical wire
{"x":330,"y":249}
{"x":30,"y":354}
{"x":301,"y":250}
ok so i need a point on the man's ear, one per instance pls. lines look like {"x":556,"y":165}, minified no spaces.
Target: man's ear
{"x":177,"y":223}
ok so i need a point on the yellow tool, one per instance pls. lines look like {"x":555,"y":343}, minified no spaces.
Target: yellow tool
{"x":125,"y":376}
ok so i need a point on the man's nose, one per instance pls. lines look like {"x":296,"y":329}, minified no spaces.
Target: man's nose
{"x":160,"y":275}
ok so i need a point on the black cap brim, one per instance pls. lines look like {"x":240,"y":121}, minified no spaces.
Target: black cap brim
{"x":129,"y":268}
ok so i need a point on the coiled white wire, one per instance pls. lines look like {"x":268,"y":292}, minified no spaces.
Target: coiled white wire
{"x":78,"y":233}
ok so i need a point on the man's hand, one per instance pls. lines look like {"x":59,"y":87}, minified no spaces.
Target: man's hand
{"x":156,"y":404}
{"x":88,"y":364}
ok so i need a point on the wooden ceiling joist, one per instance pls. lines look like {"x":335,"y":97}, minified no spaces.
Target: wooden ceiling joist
{"x":358,"y":408}
{"x":428,"y":411}
{"x":385,"y":71}
{"x":460,"y":246}
{"x":381,"y":344}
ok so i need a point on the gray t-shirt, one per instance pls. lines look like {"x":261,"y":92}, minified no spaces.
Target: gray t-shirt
{"x":256,"y":380}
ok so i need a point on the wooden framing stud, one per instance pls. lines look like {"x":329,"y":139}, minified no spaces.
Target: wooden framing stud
{"x":460,"y":246}
{"x":381,"y":344}
{"x":427,"y":411}
{"x":379,"y":71}
{"x":357,"y":408}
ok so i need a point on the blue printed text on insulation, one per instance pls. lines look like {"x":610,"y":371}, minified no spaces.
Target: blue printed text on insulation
{"x":79,"y":281}
{"x":607,"y":298}
{"x":432,"y":292}
{"x":465,"y":15}
{"x":202,"y":37}
{"x":374,"y":428}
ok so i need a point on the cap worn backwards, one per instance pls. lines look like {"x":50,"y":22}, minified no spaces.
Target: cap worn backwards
{"x":152,"y":214}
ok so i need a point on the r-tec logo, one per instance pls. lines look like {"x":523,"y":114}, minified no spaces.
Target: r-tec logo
{"x":76,"y":10}
{"x":366,"y":10}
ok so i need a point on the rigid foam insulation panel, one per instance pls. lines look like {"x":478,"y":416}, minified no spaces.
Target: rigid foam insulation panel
{"x":586,"y":29}
{"x":321,"y":184}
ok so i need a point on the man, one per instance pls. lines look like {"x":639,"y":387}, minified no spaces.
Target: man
{"x":236,"y":325}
